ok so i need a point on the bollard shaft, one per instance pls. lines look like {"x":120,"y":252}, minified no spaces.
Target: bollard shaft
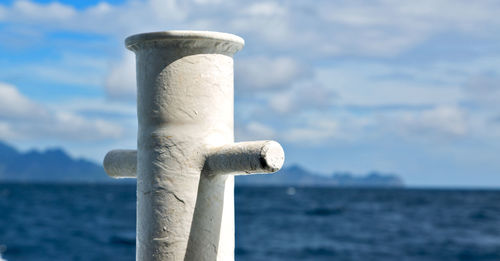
{"x":185,"y":104}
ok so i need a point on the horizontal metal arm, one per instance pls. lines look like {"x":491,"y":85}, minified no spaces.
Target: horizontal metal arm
{"x":239,"y":158}
{"x":121,"y":163}
{"x":244,"y":158}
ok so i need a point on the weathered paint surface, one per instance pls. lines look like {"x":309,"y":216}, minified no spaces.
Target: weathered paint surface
{"x":186,"y":156}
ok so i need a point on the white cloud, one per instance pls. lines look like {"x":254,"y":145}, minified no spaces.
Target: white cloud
{"x":29,"y":11}
{"x":13,"y":105}
{"x":71,"y":69}
{"x":313,"y":132}
{"x":102,"y":8}
{"x":387,"y":28}
{"x":22,"y":118}
{"x":376,"y":28}
{"x":132,"y":16}
{"x":6,"y":130}
{"x":378,"y":85}
{"x":97,"y":106}
{"x":441,"y":123}
{"x":302,"y":97}
{"x":484,"y":90}
{"x":3,"y":13}
{"x":71,"y":126}
{"x":121,"y":81}
{"x":290,"y":29}
{"x":260,"y":130}
{"x":436,"y":125}
{"x":265,"y":9}
{"x":208,"y":2}
{"x":374,"y":100}
{"x":255,"y":131}
{"x":254,"y":73}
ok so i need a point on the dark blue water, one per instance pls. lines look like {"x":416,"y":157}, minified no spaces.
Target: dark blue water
{"x":97,"y":222}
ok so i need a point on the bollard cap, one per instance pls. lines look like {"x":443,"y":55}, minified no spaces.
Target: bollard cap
{"x":223,"y":42}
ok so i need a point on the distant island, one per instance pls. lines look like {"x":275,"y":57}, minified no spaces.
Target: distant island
{"x":298,"y":176}
{"x":52,"y":165}
{"x":55,"y":165}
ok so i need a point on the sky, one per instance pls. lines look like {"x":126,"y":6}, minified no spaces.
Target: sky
{"x":404,"y":87}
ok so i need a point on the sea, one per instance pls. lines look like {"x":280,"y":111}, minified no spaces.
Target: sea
{"x":97,"y":222}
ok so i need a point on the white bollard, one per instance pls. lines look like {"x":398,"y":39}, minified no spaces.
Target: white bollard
{"x":186,"y":155}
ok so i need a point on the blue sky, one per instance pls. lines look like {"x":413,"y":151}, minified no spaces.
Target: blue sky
{"x":408,"y":87}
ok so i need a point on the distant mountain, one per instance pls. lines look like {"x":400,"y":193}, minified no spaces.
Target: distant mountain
{"x":297,"y":176}
{"x":52,"y":165}
{"x":55,"y":165}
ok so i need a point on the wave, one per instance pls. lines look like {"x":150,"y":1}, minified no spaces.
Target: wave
{"x":127,"y":238}
{"x":2,"y":249}
{"x":325,"y":211}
